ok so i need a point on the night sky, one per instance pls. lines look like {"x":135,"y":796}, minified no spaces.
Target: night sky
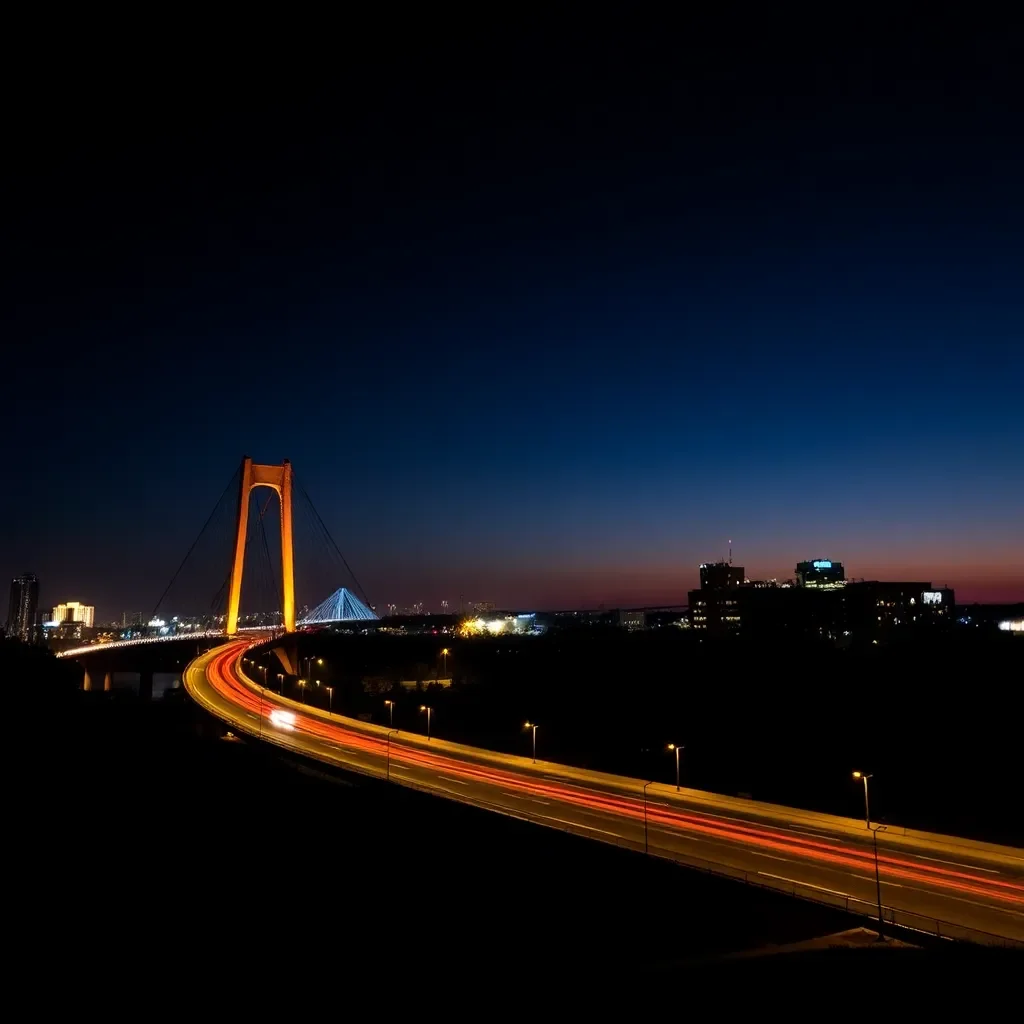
{"x":544,"y":325}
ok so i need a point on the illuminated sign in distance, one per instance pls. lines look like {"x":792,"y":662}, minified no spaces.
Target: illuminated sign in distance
{"x":931,"y":597}
{"x":822,"y":564}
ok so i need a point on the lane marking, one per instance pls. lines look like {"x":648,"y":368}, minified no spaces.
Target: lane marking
{"x":807,"y":885}
{"x":817,"y":835}
{"x":444,"y":778}
{"x":522,"y":796}
{"x":577,"y":824}
{"x":676,"y":835}
{"x":956,"y":864}
{"x":959,"y":899}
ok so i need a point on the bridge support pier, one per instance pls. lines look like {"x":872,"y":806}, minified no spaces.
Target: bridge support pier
{"x":107,"y":681}
{"x":86,"y":681}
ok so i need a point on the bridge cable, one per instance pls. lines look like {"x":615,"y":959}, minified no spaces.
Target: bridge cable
{"x":266,"y":549}
{"x":199,"y":537}
{"x":327,"y":534}
{"x":218,"y":604}
{"x":320,"y":532}
{"x":253,"y":558}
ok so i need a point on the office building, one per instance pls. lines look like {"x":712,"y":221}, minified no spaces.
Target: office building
{"x":819,"y":603}
{"x":72,"y":611}
{"x":715,"y":606}
{"x":880,"y":606}
{"x":632,"y":618}
{"x":718,"y":575}
{"x":820,"y":572}
{"x":21,"y":611}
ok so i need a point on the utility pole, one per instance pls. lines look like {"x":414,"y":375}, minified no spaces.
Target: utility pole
{"x":646,"y":784}
{"x":878,"y":883}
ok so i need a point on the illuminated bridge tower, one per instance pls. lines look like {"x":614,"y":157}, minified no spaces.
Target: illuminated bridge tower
{"x":278,"y":478}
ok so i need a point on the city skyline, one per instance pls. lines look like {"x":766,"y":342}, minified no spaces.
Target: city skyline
{"x":628,"y":589}
{"x":550,"y":342}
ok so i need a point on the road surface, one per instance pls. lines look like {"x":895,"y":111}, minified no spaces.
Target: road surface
{"x":934,"y":883}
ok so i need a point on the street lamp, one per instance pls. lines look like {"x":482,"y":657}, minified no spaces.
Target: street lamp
{"x":309,"y":664}
{"x":302,"y":688}
{"x":867,"y":811}
{"x":676,"y":747}
{"x":423,"y":707}
{"x":646,"y":784}
{"x":444,"y":654}
{"x":389,"y":752}
{"x":330,"y":699}
{"x":532,"y":726}
{"x":878,"y":884}
{"x":391,"y":709}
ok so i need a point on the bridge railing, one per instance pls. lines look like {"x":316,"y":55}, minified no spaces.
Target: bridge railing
{"x":900,"y":923}
{"x":74,"y":652}
{"x":210,"y":634}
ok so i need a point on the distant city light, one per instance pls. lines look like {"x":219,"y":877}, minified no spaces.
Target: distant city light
{"x":822,"y":564}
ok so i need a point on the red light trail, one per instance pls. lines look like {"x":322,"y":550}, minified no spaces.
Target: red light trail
{"x":224,"y":676}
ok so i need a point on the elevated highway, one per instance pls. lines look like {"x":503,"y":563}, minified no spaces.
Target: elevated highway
{"x":942,"y":885}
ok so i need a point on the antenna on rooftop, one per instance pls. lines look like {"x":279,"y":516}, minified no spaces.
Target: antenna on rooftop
{"x":730,"y":551}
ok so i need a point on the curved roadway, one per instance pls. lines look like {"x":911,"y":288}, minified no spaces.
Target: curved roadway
{"x":973,"y":890}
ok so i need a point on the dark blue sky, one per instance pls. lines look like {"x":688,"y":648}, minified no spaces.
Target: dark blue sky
{"x":545,"y":328}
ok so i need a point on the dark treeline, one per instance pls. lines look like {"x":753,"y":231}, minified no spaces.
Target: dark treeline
{"x":935,"y":719}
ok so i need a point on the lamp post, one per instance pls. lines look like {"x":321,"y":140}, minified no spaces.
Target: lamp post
{"x":444,"y":654}
{"x":867,"y":810}
{"x":532,"y":726}
{"x":330,"y":699}
{"x":423,"y":707}
{"x":302,"y":689}
{"x":878,"y":883}
{"x":646,"y":784}
{"x":391,"y":709}
{"x":309,"y":664}
{"x":676,"y":747}
{"x":390,"y":731}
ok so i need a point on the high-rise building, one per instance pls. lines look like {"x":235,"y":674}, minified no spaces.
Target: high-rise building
{"x":719,"y":575}
{"x":714,"y":606}
{"x":21,"y":612}
{"x":821,"y":572}
{"x":72,"y":611}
